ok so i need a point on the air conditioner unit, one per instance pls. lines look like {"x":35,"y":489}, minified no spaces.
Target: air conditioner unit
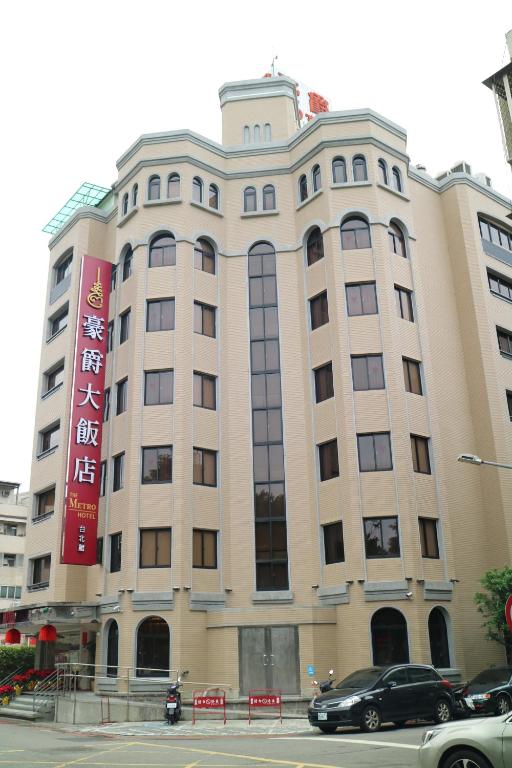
{"x":483,"y":179}
{"x":461,"y":167}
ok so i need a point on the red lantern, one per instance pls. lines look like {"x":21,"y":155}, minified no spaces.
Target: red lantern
{"x":12,"y":637}
{"x":32,"y":640}
{"x":48,"y":633}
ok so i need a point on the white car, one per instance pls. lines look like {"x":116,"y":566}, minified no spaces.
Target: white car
{"x":480,"y":743}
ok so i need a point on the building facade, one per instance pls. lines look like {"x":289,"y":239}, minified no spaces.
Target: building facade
{"x":305,"y":331}
{"x":13,"y":520}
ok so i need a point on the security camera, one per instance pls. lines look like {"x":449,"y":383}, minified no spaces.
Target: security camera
{"x":408,"y":594}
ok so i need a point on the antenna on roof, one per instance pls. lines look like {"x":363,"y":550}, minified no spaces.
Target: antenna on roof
{"x":273,"y":67}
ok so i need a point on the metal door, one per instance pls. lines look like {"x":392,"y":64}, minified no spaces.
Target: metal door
{"x":253,"y":658}
{"x":284,"y":659}
{"x":269,"y":658}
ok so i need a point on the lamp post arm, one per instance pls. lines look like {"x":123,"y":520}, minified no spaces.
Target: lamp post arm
{"x":497,"y":464}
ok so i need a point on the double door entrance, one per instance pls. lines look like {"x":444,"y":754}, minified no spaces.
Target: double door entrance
{"x":269,"y":658}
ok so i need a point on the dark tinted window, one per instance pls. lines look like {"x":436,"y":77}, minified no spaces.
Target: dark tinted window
{"x":396,"y":676}
{"x":339,"y":170}
{"x":403,"y":299}
{"x":361,"y":299}
{"x":355,"y":233}
{"x":374,"y":452}
{"x":315,"y":246}
{"x":363,"y":678}
{"x":423,"y":675}
{"x":333,"y":543}
{"x":324,"y":388}
{"x":493,"y":677}
{"x":328,"y":459}
{"x":367,"y":372}
{"x":319,"y":310}
{"x":381,"y":537}
{"x":160,"y":315}
{"x":162,"y":251}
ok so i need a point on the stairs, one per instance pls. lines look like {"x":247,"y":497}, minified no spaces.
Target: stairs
{"x":22,"y":707}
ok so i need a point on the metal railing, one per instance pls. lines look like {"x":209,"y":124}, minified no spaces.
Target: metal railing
{"x":7,"y":679}
{"x":46,"y":687}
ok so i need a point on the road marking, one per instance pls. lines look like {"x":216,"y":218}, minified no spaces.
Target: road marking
{"x":394,"y":744}
{"x":88,"y":757}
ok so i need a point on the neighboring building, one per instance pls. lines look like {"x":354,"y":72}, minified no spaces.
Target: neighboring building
{"x":305,"y":331}
{"x":13,"y":523}
{"x":501,"y":85}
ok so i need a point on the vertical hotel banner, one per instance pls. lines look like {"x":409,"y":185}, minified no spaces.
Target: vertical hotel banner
{"x":84,"y":449}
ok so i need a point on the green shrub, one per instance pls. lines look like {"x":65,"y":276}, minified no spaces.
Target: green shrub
{"x":14,"y":656}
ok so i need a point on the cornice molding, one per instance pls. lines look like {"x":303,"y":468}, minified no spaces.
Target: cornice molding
{"x":87,"y":212}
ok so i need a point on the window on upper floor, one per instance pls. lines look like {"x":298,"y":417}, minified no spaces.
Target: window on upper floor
{"x":160,"y":315}
{"x":121,"y":396}
{"x":154,"y":188}
{"x":367,"y":372}
{"x":173,"y":186}
{"x":324,"y":387}
{"x":267,"y":132}
{"x":339,"y":170}
{"x":113,"y":277}
{"x":197,"y":190}
{"x":504,"y":341}
{"x":204,"y":319}
{"x":213,"y":196}
{"x":317,"y":178}
{"x":420,"y":454}
{"x":428,"y":537}
{"x":374,"y":449}
{"x":54,"y":377}
{"x":500,"y":286}
{"x":397,"y":179}
{"x":328,"y":460}
{"x":412,"y":376}
{"x":135,"y":195}
{"x":39,"y":571}
{"x":204,"y":467}
{"x":103,"y":478}
{"x":509,"y":404}
{"x":162,"y":251}
{"x":204,"y":256}
{"x":58,"y":322}
{"x":118,"y":472}
{"x":45,"y":503}
{"x":124,"y":209}
{"x":247,"y":134}
{"x":359,"y":171}
{"x":355,"y":233}
{"x":106,"y":404}
{"x":157,"y":464}
{"x":110,"y":336}
{"x":257,"y":134}
{"x":63,"y":267}
{"x":381,"y":537}
{"x":396,"y":240}
{"x":155,"y":548}
{"x":127,"y":264}
{"x":315,"y":246}
{"x":361,"y":299}
{"x":116,"y":540}
{"x":303,"y":188}
{"x":404,"y":308}
{"x":495,"y":234}
{"x":249,"y":199}
{"x":124,"y":326}
{"x":204,"y":390}
{"x":334,"y":550}
{"x":383,"y":171}
{"x":49,"y":438}
{"x":158,"y":387}
{"x":99,"y":550}
{"x":319,"y":310}
{"x":204,"y":549}
{"x":269,"y":197}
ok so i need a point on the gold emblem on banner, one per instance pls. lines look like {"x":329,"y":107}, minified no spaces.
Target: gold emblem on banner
{"x":95,"y":296}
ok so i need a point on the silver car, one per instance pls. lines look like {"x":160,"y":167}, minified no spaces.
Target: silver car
{"x":479,"y":743}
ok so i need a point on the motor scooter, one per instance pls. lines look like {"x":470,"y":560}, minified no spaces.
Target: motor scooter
{"x":326,"y":685}
{"x":173,"y":700}
{"x":460,"y":705}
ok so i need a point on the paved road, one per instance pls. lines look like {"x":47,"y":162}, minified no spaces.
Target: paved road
{"x":42,"y":746}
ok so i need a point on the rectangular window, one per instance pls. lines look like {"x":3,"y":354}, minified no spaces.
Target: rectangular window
{"x":45,"y":503}
{"x":403,"y":299}
{"x":121,"y":396}
{"x":54,"y":378}
{"x":367,"y":372}
{"x":40,"y":571}
{"x":103,"y":477}
{"x":8,"y":560}
{"x":324,"y":387}
{"x":99,"y":551}
{"x":63,"y":269}
{"x":504,"y":341}
{"x":118,"y":472}
{"x":381,"y":537}
{"x":58,"y":322}
{"x":204,"y":390}
{"x":115,"y":552}
{"x":49,"y":438}
{"x":160,"y":315}
{"x":106,"y":404}
{"x":319,"y":309}
{"x":158,"y":387}
{"x":428,"y":538}
{"x":124,"y":326}
{"x":500,"y":286}
{"x":155,"y":548}
{"x":374,"y":451}
{"x":495,"y":234}
{"x":328,"y":459}
{"x":157,"y":464}
{"x":509,"y":404}
{"x":420,"y":454}
{"x":412,"y":376}
{"x":361,"y":299}
{"x":110,"y":336}
{"x":334,"y":549}
{"x":113,"y":276}
{"x":204,"y":549}
{"x":204,"y":319}
{"x":205,"y":467}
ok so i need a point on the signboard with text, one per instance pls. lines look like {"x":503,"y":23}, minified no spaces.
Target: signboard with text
{"x":84,"y":449}
{"x":508,"y":612}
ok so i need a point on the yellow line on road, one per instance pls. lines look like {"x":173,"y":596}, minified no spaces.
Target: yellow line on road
{"x":88,"y":757}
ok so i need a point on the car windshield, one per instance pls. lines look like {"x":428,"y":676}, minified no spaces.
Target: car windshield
{"x":492,"y":677}
{"x":363,"y":678}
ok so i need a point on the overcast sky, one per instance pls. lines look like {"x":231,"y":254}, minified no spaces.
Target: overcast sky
{"x":80,"y":82}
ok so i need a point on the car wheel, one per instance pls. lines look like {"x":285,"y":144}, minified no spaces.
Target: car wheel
{"x":442,"y":711}
{"x":327,"y":728}
{"x":502,"y":705}
{"x":371,"y":719}
{"x":465,"y":758}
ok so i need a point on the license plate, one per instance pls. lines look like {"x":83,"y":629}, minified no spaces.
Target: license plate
{"x":322,"y":715}
{"x":469,"y":702}
{"x":171,"y":705}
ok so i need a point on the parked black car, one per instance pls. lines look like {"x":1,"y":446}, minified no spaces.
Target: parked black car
{"x":369,"y":697}
{"x":490,"y":691}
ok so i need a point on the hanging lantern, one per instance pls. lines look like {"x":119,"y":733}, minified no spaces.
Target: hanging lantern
{"x":48,"y":633}
{"x":32,"y":640}
{"x":12,"y":637}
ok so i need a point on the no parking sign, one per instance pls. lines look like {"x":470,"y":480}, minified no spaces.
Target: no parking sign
{"x":508,"y":612}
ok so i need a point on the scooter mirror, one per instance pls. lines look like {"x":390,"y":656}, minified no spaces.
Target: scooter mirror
{"x":331,"y":671}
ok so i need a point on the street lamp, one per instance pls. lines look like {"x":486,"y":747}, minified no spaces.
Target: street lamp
{"x":470,"y":458}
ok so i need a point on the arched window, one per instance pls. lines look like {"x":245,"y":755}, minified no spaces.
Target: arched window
{"x":389,"y":637}
{"x":383,"y":172}
{"x":213,"y":196}
{"x":269,"y":197}
{"x":135,"y":193}
{"x":125,"y":204}
{"x":268,"y":132}
{"x":173,"y":185}
{"x":197,"y":190}
{"x":355,"y":233}
{"x":112,"y":649}
{"x":162,"y":251}
{"x":249,"y":199}
{"x":247,"y":134}
{"x":397,"y":179}
{"x":317,"y":178}
{"x":257,"y":134}
{"x":127,"y":264}
{"x":438,"y":635}
{"x":339,"y":170}
{"x":396,"y":240}
{"x":204,"y":256}
{"x":303,"y":188}
{"x":153,"y":648}
{"x":359,"y":168}
{"x":154,"y":188}
{"x":315,"y":246}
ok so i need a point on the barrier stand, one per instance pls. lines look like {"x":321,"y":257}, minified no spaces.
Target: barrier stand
{"x":214,"y":699}
{"x":265,"y":697}
{"x":105,"y":700}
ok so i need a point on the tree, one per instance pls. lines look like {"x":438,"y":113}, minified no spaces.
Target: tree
{"x":491,"y":605}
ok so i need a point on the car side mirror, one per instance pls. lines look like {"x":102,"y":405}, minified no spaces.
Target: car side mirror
{"x":391,"y":684}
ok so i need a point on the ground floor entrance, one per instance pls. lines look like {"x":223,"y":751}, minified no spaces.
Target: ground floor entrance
{"x":269,"y":658}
